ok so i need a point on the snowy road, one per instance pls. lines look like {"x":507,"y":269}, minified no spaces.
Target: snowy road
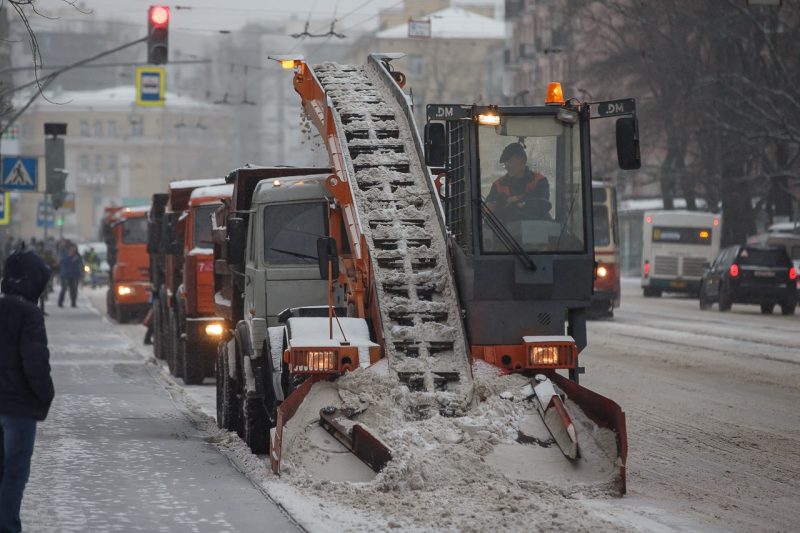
{"x":711,"y":401}
{"x":120,"y":452}
{"x":710,"y":397}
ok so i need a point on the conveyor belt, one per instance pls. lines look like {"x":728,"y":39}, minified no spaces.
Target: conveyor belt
{"x":424,"y":336}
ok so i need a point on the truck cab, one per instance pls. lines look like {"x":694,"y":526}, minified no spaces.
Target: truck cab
{"x":266,"y":271}
{"x":128,"y":293}
{"x":198,"y":327}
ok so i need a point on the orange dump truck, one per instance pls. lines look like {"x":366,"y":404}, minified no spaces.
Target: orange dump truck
{"x":125,"y":234}
{"x":186,"y":330}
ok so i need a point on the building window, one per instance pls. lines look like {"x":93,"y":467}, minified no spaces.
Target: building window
{"x":416,"y":65}
{"x":137,"y":127}
{"x":112,"y":128}
{"x":84,"y":128}
{"x":98,"y":164}
{"x":112,"y":164}
{"x":98,"y":128}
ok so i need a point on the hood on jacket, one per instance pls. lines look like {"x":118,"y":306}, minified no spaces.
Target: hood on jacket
{"x":25,"y":274}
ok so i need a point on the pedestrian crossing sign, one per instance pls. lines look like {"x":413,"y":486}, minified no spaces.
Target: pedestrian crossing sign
{"x":5,"y":208}
{"x":19,"y":174}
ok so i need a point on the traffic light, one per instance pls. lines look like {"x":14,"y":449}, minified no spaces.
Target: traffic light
{"x":157,"y":35}
{"x":57,"y":187}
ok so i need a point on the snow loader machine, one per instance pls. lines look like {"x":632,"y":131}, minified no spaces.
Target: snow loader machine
{"x":435,"y":286}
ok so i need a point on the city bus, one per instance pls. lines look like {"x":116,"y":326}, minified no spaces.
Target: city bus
{"x":606,"y":295}
{"x":677,"y":246}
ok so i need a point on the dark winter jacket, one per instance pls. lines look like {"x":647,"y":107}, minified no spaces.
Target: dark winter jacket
{"x":70,"y":266}
{"x":26,"y":388}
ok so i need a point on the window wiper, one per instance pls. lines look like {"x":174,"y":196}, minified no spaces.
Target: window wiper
{"x":505,"y":236}
{"x":295,"y":254}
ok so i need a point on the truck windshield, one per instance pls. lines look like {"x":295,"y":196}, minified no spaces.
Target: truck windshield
{"x":530,"y":181}
{"x":291,"y":232}
{"x":202,"y":226}
{"x":134,"y":230}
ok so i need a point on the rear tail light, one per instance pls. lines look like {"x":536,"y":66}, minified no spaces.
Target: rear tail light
{"x":602,"y":271}
{"x":792,"y":273}
{"x":734,"y":270}
{"x":646,"y":268}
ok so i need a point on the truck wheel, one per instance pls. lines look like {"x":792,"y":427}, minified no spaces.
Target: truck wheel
{"x":255,"y":428}
{"x":227,"y":401}
{"x":110,"y":303}
{"x":162,"y":330}
{"x":157,"y":349}
{"x":120,"y":314}
{"x":178,"y":348}
{"x":194,"y":367}
{"x":767,"y":308}
{"x":172,"y":335}
{"x":788,"y":309}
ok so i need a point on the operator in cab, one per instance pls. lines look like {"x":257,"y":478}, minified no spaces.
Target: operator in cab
{"x":520,"y":194}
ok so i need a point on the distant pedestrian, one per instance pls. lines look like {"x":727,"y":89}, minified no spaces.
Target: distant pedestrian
{"x":26,"y":389}
{"x":70,"y":272}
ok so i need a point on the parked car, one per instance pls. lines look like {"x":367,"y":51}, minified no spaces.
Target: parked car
{"x":96,"y":275}
{"x":750,"y":274}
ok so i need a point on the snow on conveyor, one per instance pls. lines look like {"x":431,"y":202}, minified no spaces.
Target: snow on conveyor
{"x":424,"y":337}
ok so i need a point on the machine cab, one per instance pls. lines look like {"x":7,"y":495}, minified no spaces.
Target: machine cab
{"x":518,"y":208}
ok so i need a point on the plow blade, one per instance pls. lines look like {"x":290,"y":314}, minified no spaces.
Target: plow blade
{"x":285,"y":413}
{"x":358,"y":439}
{"x":555,"y":417}
{"x":603,"y":412}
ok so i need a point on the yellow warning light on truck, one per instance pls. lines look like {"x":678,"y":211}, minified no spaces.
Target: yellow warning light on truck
{"x":555,"y":96}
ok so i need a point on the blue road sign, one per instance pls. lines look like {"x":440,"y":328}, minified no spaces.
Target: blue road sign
{"x":19,"y":174}
{"x":45,"y":212}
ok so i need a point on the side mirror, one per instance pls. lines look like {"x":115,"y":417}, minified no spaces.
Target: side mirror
{"x":435,"y":147}
{"x":236,"y":240}
{"x":628,"y":143}
{"x":326,"y":252}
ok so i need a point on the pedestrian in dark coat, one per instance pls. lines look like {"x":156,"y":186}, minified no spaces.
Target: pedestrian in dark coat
{"x":70,"y":271}
{"x":26,"y":389}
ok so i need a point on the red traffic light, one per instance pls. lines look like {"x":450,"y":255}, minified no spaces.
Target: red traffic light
{"x":159,"y":15}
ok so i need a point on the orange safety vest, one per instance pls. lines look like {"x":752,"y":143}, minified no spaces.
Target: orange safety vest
{"x":505,"y":190}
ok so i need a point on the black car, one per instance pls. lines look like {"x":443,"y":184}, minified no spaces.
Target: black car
{"x":750,"y":274}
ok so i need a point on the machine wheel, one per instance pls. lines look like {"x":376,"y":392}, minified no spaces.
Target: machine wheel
{"x":767,"y":308}
{"x":194,"y":368}
{"x":725,"y":302}
{"x":227,"y":401}
{"x":650,"y":292}
{"x":788,"y":309}
{"x":255,"y":428}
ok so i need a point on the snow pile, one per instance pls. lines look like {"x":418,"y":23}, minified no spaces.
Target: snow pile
{"x":467,"y":472}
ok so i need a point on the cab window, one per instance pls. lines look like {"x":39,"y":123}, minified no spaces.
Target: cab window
{"x":134,"y":230}
{"x":291,"y":232}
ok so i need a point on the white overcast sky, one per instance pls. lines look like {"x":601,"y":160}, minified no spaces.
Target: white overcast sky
{"x":216,"y":15}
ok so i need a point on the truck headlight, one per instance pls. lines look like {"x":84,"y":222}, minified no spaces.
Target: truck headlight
{"x":305,"y":360}
{"x":124,"y":290}
{"x":214,"y":329}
